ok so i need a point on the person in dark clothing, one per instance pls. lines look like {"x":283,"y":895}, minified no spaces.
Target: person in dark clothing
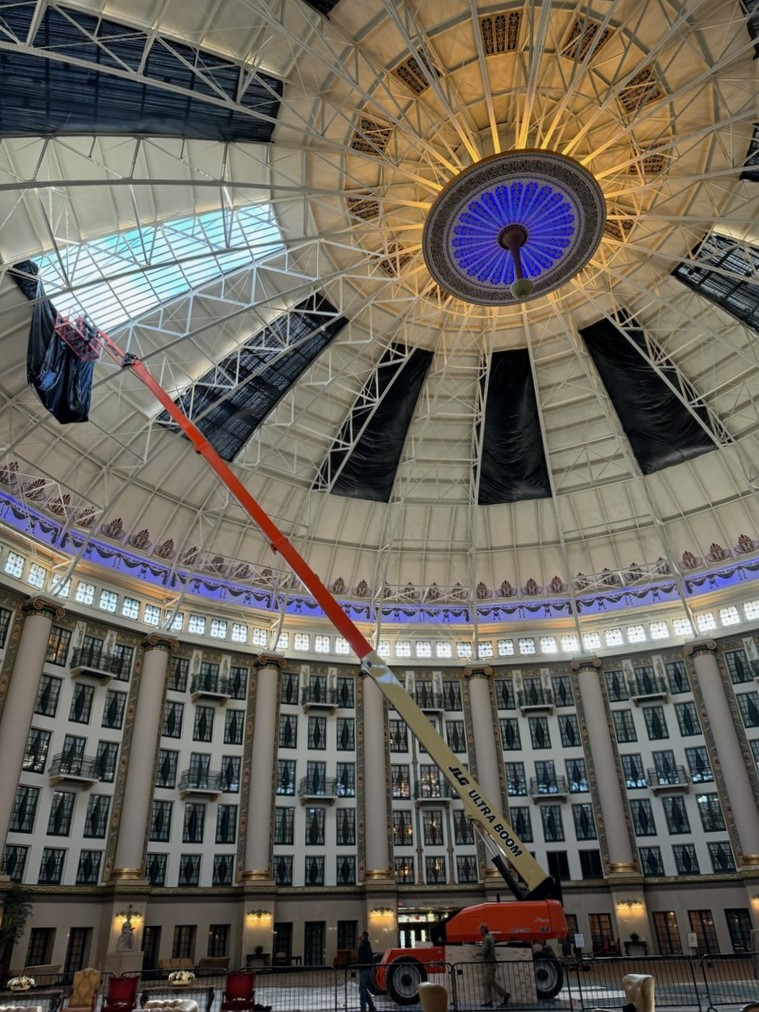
{"x":365,"y":965}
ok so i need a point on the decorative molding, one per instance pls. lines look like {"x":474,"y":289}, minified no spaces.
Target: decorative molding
{"x":155,"y":641}
{"x":42,"y":606}
{"x":270,"y":661}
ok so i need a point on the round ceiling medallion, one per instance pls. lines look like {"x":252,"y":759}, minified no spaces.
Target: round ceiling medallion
{"x":513,"y":227}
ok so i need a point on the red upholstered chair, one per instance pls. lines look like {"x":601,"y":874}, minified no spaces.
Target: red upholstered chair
{"x":239,"y":992}
{"x":122,"y":994}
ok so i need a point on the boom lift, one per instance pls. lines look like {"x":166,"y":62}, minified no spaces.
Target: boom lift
{"x":538,"y":914}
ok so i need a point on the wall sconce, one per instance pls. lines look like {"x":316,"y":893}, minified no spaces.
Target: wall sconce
{"x":129,"y":914}
{"x":630,"y":904}
{"x":259,"y":915}
{"x":381,"y":912}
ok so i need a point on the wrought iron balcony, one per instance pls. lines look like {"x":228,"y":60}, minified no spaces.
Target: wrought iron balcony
{"x":97,"y":664}
{"x":544,"y":789}
{"x":647,"y":687}
{"x":535,"y":700}
{"x":318,"y":697}
{"x":209,"y":784}
{"x":77,"y":769}
{"x":430,"y":702}
{"x":674,"y":780}
{"x":209,"y":687}
{"x":432,"y":790}
{"x":318,"y":789}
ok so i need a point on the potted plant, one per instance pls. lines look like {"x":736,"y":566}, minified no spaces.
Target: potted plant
{"x":636,"y":946}
{"x":16,"y":907}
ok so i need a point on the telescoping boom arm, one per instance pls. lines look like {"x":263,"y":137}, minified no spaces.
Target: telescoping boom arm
{"x":535,"y":882}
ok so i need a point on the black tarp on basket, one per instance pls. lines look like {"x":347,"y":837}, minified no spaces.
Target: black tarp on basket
{"x":62,"y":380}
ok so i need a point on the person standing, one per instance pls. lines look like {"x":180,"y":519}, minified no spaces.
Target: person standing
{"x":365,"y":967}
{"x":489,"y":965}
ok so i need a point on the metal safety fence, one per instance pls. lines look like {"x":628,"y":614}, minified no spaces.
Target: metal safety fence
{"x":682,"y":984}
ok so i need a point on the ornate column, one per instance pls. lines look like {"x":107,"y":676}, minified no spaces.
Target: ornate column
{"x":146,"y":731}
{"x":376,"y":815}
{"x":262,"y":766}
{"x":603,"y":768}
{"x":21,"y":697}
{"x":483,"y":721}
{"x":719,"y":725}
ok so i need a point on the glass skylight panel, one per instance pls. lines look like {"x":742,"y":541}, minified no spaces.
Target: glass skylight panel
{"x":724,"y":271}
{"x":120,"y":277}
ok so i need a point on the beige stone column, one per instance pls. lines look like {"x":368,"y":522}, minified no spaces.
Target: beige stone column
{"x":483,"y":725}
{"x":722,"y":739}
{"x":263,"y":766}
{"x":22,"y":695}
{"x":376,"y":815}
{"x":138,"y":789}
{"x":603,"y":768}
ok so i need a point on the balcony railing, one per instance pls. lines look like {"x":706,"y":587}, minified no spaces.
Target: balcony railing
{"x":535,"y":699}
{"x":321,"y":788}
{"x":429,"y":701}
{"x":201,"y":782}
{"x":75,"y":769}
{"x":207,"y":686}
{"x":556,"y":789}
{"x":432,"y":791}
{"x":318,"y":696}
{"x":661,"y":781}
{"x":647,"y":687}
{"x":98,"y":664}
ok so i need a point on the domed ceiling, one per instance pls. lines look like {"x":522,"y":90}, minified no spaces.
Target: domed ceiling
{"x":401,"y":436}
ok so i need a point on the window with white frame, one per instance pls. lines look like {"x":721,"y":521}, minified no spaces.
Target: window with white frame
{"x":152,"y":615}
{"x":177,"y":622}
{"x":59,"y":586}
{"x":423,"y":648}
{"x":443,"y":648}
{"x":301,"y":641}
{"x":569,"y":644}
{"x":505,"y":648}
{"x":197,"y":625}
{"x":485,"y":649}
{"x":613,"y":637}
{"x":259,"y":637}
{"x":342,"y":646}
{"x":403,"y":648}
{"x":283,"y":641}
{"x":751,"y":609}
{"x":239,"y":632}
{"x":14,"y":564}
{"x":636,"y":634}
{"x":383,"y":649}
{"x":130,"y":607}
{"x":36,"y":576}
{"x":591,"y":641}
{"x":321,"y":643}
{"x":463,"y":649}
{"x":526,"y":645}
{"x":548,"y":645}
{"x":682,"y":627}
{"x":218,"y":628}
{"x":729,"y":616}
{"x":706,"y":622}
{"x":108,"y":601}
{"x":85,"y":593}
{"x":658,"y":630}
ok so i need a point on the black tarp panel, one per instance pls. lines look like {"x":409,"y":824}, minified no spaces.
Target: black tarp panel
{"x":512,"y":461}
{"x":50,"y":96}
{"x":385,"y":406}
{"x":661,"y":430}
{"x":264,"y":368}
{"x":63,"y":381}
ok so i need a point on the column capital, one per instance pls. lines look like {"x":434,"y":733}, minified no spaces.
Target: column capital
{"x":479,"y":671}
{"x":41,"y":606}
{"x":584,"y":663}
{"x":155,"y":641}
{"x":700,"y":647}
{"x":270,"y":661}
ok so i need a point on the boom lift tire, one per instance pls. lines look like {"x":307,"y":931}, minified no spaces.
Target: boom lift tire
{"x":403,"y":977}
{"x":372,"y":985}
{"x":549,"y":975}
